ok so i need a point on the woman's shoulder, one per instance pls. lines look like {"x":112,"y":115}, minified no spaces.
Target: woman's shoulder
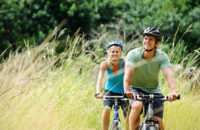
{"x":104,"y":65}
{"x":122,"y":58}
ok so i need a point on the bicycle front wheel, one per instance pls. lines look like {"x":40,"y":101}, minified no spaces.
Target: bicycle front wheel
{"x":115,"y":125}
{"x":141,"y":126}
{"x":152,"y":128}
{"x":144,"y":126}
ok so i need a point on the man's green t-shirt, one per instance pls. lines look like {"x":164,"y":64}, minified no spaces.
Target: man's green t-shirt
{"x":146,"y":74}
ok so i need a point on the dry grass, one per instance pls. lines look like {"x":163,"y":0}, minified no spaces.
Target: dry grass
{"x":35,"y":94}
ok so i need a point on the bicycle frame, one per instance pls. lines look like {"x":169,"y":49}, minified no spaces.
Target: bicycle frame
{"x":116,"y":115}
{"x":148,"y":122}
{"x":116,"y":124}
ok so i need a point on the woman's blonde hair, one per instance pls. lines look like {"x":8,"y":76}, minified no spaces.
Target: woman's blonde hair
{"x":108,"y":59}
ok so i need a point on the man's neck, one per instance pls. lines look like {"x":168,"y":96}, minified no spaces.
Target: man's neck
{"x":148,"y":54}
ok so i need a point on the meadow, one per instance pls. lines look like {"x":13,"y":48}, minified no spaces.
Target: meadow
{"x":43,"y":91}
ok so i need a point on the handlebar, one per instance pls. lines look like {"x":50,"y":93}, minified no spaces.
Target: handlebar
{"x":141,"y":97}
{"x":154,"y":97}
{"x":115,"y":97}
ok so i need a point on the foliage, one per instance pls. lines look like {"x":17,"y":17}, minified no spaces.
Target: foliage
{"x":167,"y":15}
{"x":35,"y":19}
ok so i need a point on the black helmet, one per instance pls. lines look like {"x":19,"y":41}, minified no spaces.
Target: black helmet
{"x":153,"y":31}
{"x":116,"y":43}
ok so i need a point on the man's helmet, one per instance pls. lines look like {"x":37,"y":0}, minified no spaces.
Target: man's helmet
{"x":116,"y":43}
{"x":154,"y":32}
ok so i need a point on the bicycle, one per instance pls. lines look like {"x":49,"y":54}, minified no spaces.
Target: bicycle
{"x":148,"y":122}
{"x":116,"y":124}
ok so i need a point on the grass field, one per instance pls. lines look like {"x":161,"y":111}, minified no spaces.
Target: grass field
{"x":37,"y":95}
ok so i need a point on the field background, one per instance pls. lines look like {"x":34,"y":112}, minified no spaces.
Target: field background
{"x":50,"y":52}
{"x":36,"y":93}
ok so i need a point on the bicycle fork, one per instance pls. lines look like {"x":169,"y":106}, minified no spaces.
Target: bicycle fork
{"x":150,"y":121}
{"x":116,"y":115}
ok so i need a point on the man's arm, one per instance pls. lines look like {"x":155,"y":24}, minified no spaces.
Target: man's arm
{"x":168,"y":73}
{"x":129,"y":71}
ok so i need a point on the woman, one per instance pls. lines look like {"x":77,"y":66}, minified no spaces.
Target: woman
{"x":114,"y":68}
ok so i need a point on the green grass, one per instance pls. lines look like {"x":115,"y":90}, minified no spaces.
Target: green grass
{"x":183,"y":114}
{"x":37,"y":95}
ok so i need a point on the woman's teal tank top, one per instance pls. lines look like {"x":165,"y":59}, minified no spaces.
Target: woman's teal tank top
{"x":115,"y":81}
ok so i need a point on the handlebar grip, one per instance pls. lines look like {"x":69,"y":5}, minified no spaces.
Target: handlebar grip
{"x":125,"y":96}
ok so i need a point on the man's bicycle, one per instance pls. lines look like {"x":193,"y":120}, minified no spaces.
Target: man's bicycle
{"x":116,"y":124}
{"x":148,"y":122}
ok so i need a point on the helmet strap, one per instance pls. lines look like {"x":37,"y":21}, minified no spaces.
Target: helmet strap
{"x":149,"y":51}
{"x":152,"y":48}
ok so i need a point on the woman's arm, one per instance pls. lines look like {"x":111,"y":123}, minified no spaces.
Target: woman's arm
{"x":129,"y":71}
{"x":103,"y":68}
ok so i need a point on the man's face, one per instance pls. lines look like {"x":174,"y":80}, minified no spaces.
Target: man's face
{"x":149,"y":42}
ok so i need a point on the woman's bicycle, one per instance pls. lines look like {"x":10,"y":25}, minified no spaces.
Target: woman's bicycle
{"x":116,"y":124}
{"x":148,"y":122}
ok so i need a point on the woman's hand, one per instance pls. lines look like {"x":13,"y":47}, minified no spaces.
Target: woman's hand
{"x":99,"y":96}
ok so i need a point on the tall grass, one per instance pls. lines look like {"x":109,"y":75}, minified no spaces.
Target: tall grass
{"x":37,"y":94}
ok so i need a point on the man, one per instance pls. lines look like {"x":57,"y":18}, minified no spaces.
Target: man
{"x":141,"y":76}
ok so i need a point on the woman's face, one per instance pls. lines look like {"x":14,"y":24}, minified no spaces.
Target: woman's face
{"x":114,"y":53}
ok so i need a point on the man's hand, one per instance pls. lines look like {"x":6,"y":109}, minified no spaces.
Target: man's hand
{"x":130,"y":95}
{"x":173,"y":96}
{"x":99,"y":96}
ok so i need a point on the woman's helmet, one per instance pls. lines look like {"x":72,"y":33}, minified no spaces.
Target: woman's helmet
{"x":116,"y":43}
{"x":153,"y":31}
